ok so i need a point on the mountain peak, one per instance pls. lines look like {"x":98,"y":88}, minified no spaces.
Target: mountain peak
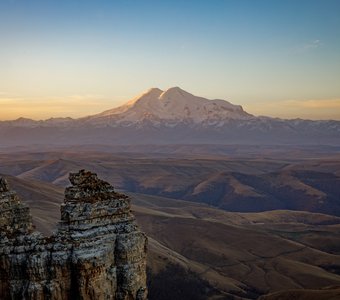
{"x":173,"y":105}
{"x":175,"y":89}
{"x":153,"y":90}
{"x":175,"y":92}
{"x":183,"y":116}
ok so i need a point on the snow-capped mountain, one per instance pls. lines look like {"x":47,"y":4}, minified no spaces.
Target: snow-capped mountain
{"x":170,"y":107}
{"x":173,"y":116}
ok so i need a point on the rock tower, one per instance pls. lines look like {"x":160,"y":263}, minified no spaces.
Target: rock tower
{"x":96,"y":253}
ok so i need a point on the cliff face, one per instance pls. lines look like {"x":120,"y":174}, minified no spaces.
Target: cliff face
{"x":97,"y":251}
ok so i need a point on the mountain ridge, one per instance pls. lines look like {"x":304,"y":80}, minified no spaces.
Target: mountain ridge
{"x":173,"y":116}
{"x":155,"y":92}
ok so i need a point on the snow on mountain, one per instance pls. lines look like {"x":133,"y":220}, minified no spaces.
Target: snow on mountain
{"x":171,"y":117}
{"x":173,"y":105}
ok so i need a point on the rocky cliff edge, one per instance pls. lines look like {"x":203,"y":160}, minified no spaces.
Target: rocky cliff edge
{"x":97,"y":251}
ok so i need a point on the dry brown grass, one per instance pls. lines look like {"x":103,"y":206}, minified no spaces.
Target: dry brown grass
{"x":250,"y":184}
{"x":242,"y":255}
{"x":332,"y":293}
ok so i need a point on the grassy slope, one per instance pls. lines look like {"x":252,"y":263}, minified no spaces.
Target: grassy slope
{"x":234,"y":184}
{"x":240,"y":254}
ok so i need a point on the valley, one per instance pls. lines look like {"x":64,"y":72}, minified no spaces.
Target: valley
{"x":199,"y":214}
{"x":231,"y":182}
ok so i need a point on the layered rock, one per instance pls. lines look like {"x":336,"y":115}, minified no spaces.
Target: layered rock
{"x":97,"y":251}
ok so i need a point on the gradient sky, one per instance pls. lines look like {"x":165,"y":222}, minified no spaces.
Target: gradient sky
{"x":74,"y":58}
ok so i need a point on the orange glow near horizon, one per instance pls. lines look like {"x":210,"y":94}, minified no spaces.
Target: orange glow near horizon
{"x":38,"y":109}
{"x":256,"y":54}
{"x":77,"y":106}
{"x":322,"y":109}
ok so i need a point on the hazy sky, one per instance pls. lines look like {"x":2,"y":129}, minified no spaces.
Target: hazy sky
{"x":74,"y":58}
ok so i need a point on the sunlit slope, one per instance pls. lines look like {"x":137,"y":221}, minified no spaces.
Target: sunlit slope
{"x":240,"y":254}
{"x":240,"y":185}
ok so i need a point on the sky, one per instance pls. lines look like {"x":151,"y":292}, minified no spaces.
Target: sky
{"x":63,"y":58}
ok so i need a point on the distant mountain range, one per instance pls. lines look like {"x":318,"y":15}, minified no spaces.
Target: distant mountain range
{"x":173,"y":116}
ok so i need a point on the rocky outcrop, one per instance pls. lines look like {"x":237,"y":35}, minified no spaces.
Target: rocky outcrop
{"x":97,"y":251}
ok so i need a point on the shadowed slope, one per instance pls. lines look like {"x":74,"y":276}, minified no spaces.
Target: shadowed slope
{"x":332,"y":293}
{"x":245,"y":185}
{"x":237,"y":254}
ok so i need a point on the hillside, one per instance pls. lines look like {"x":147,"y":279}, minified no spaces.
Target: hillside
{"x":249,"y":184}
{"x":237,"y":254}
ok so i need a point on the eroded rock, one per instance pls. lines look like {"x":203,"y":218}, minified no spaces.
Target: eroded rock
{"x":97,"y":251}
